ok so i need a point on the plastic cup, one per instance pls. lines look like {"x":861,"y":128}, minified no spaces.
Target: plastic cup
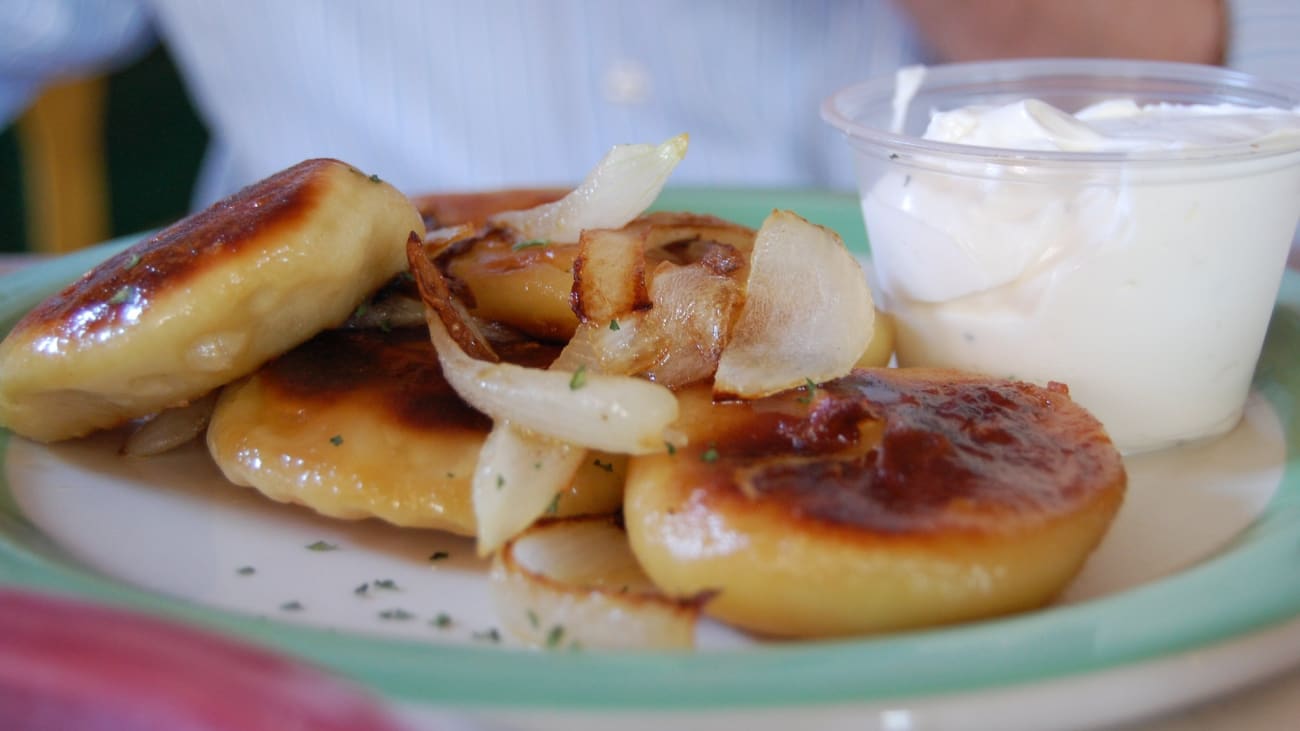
{"x":1144,"y":281}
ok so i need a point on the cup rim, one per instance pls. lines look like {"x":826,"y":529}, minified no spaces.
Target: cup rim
{"x":881,"y":88}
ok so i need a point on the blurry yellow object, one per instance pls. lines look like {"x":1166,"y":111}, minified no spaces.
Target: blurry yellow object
{"x":881,"y":348}
{"x":61,"y":140}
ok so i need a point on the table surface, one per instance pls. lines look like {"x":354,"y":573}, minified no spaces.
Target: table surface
{"x":1271,"y":705}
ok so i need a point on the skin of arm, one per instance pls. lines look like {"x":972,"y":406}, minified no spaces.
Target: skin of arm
{"x":1166,"y":30}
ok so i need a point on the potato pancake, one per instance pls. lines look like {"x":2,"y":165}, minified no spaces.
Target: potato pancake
{"x":884,"y":500}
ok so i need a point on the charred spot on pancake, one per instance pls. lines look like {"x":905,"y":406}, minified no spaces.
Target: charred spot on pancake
{"x":396,"y":372}
{"x":112,"y":294}
{"x":881,"y":453}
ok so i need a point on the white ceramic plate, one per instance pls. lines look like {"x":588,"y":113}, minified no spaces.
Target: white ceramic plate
{"x":1200,"y":566}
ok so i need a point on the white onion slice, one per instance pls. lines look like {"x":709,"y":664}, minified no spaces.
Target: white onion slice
{"x":171,"y":428}
{"x":807,"y":315}
{"x":622,"y":185}
{"x":575,"y":583}
{"x":517,"y":478}
{"x":612,"y":413}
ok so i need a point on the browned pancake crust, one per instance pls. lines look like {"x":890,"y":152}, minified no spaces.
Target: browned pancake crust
{"x":897,"y":453}
{"x":361,"y":423}
{"x":112,"y":294}
{"x":396,"y":373}
{"x":884,"y":500}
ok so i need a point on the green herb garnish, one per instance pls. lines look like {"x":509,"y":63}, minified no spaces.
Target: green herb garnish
{"x":529,"y":244}
{"x":710,"y":455}
{"x":613,"y":325}
{"x":375,"y":179}
{"x":361,"y":590}
{"x":501,"y":481}
{"x":322,"y":546}
{"x":579,"y":378}
{"x":125,"y":294}
{"x":133,"y":262}
{"x":245,"y":570}
{"x":671,"y":448}
{"x":293,"y":606}
{"x":388,"y":584}
{"x":441,"y":621}
{"x":554,"y":636}
{"x":400,"y":615}
{"x":554,"y":507}
{"x":336,"y":440}
{"x":491,"y":635}
{"x":532,"y":619}
{"x":810,"y":389}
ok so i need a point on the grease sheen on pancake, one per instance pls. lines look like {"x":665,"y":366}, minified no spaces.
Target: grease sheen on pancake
{"x":204,"y":301}
{"x":893,"y":498}
{"x":361,"y":423}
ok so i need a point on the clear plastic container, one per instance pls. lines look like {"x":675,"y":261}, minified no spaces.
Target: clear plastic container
{"x":1142,"y":280}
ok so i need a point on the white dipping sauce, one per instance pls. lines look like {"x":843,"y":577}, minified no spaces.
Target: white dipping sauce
{"x":1145,"y":287}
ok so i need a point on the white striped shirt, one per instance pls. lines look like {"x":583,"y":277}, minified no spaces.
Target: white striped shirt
{"x":436,"y":95}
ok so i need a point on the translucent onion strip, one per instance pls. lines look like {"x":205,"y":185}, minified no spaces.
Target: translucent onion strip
{"x":517,"y":478}
{"x":171,"y":428}
{"x":807,"y":314}
{"x":612,"y":413}
{"x":574,"y":583}
{"x":622,"y":185}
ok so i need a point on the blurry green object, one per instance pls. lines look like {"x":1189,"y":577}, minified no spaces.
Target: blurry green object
{"x":13,"y":231}
{"x":154,"y":143}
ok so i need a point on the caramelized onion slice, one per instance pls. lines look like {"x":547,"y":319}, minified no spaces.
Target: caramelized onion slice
{"x":609,"y":275}
{"x":692,"y":316}
{"x":575,"y":583}
{"x":807,"y":315}
{"x":612,"y":413}
{"x":622,"y":185}
{"x":447,"y":310}
{"x":171,"y":428}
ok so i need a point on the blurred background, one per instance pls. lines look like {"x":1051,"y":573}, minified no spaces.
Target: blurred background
{"x":99,"y":157}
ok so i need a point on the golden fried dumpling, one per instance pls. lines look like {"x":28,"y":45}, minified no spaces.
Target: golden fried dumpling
{"x":204,"y":301}
{"x":361,"y":423}
{"x":884,"y":500}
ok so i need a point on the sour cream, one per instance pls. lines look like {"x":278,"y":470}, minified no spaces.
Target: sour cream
{"x":1130,"y":251}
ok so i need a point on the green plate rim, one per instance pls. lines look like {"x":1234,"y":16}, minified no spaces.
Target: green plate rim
{"x":1250,"y":585}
